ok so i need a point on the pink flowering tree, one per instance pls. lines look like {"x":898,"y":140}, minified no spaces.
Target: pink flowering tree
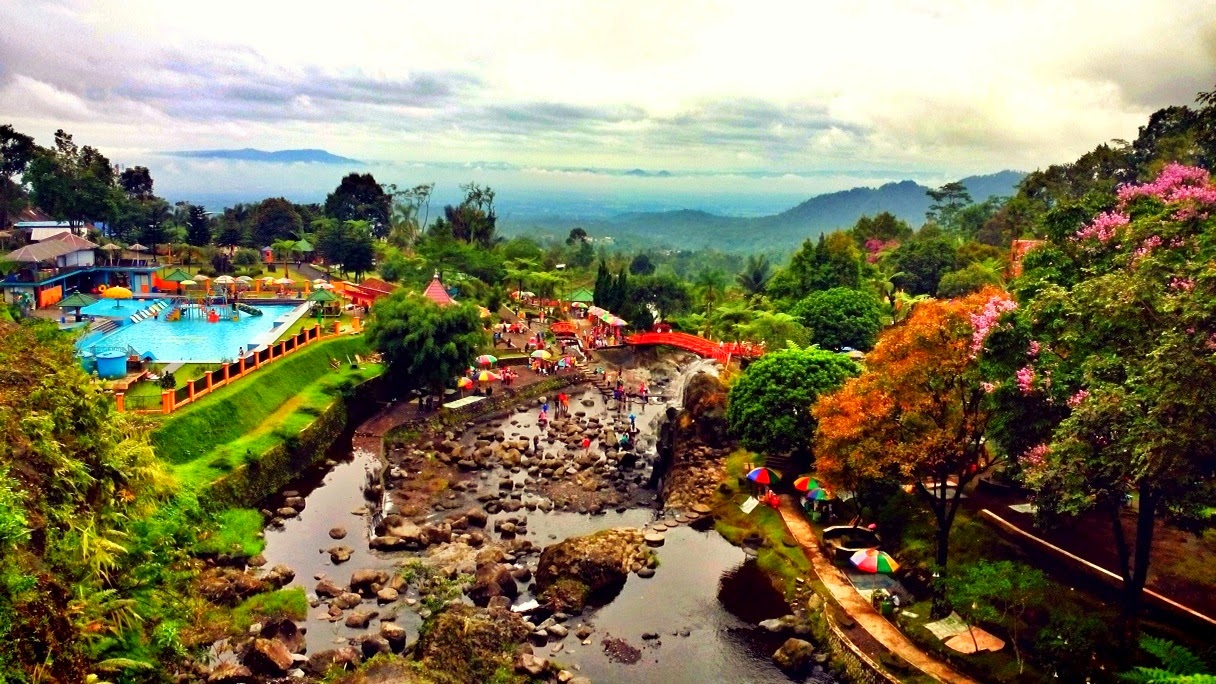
{"x":1108,"y":392}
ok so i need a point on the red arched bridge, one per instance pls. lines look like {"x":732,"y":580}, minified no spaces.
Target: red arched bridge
{"x":720,"y":351}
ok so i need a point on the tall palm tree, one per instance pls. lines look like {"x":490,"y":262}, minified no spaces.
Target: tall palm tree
{"x":284,"y":249}
{"x":755,"y":275}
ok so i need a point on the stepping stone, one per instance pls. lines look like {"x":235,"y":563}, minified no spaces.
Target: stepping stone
{"x":683,"y":519}
{"x":658,"y":527}
{"x":654,"y":538}
{"x":701,"y":509}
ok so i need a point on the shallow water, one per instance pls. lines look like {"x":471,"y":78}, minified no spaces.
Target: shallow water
{"x":701,"y":579}
{"x":703,"y":585}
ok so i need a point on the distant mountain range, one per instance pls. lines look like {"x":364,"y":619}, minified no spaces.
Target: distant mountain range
{"x":693,"y":229}
{"x":274,"y":157}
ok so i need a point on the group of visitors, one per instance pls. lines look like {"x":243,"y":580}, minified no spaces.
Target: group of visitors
{"x":601,"y":336}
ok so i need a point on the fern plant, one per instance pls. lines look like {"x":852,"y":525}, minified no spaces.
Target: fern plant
{"x":1178,"y":665}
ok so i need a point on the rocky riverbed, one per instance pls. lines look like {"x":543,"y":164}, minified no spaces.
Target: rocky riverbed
{"x":538,"y":542}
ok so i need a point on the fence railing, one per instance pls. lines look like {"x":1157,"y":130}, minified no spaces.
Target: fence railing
{"x":171,"y":400}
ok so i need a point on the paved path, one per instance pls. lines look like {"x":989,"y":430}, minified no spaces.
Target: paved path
{"x":857,"y":606}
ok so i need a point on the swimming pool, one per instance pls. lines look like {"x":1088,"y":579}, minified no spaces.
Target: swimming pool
{"x":117,"y":308}
{"x":192,"y":340}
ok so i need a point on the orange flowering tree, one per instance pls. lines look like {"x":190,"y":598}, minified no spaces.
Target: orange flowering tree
{"x":920,"y":410}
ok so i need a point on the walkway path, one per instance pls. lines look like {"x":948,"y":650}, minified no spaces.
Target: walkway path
{"x":857,"y":606}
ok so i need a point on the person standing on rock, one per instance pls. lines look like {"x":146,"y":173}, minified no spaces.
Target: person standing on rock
{"x":633,"y":422}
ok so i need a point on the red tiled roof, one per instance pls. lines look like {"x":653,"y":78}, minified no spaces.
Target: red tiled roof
{"x":437,"y":293}
{"x":377,"y":284}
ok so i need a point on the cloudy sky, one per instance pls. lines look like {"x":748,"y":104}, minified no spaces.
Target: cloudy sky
{"x":835,"y":91}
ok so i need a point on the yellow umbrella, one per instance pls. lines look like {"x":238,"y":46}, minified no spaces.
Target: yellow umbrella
{"x":541,"y":354}
{"x":117,"y":293}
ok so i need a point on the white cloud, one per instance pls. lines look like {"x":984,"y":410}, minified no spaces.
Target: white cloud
{"x":953,"y":87}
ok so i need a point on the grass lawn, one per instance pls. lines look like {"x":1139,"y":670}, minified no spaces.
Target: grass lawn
{"x":208,"y":438}
{"x":236,"y":531}
{"x":284,"y":603}
{"x":783,"y":562}
{"x":186,"y":373}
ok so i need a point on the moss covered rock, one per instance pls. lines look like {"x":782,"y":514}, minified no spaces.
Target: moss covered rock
{"x":601,"y":562}
{"x":466,"y":644}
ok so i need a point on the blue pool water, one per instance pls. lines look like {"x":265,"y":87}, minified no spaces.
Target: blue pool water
{"x":192,"y":340}
{"x":116,"y":308}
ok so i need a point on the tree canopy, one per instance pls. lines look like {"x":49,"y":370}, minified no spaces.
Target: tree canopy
{"x":423,"y":344}
{"x":920,"y":411}
{"x":1109,"y":372}
{"x":841,"y":317}
{"x":769,"y":406}
{"x":359,"y":197}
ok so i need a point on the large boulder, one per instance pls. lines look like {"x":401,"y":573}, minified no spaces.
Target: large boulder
{"x":287,"y":632}
{"x":319,"y":664}
{"x":794,"y":656}
{"x":492,"y":579}
{"x":599,"y":561}
{"x":367,"y":582}
{"x":267,"y":657}
{"x":470,"y":644}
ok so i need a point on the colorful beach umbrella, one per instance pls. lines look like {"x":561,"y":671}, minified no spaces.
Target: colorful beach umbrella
{"x":487,"y":376}
{"x":873,"y":560}
{"x":487,"y":359}
{"x":805,"y":484}
{"x":187,"y":282}
{"x":818,"y":494}
{"x":542,"y":354}
{"x":284,"y":281}
{"x":578,"y":305}
{"x":764,"y":476}
{"x":464,"y":383}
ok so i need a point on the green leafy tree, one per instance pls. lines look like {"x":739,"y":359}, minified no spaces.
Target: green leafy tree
{"x":136,"y":182}
{"x":755,"y":274}
{"x":70,"y":182}
{"x":577,"y":236}
{"x":284,"y":250}
{"x":769,"y":405}
{"x":641,"y":265}
{"x":474,"y":220}
{"x":17,"y":150}
{"x":275,"y":219}
{"x":921,"y":262}
{"x":1114,"y":342}
{"x":426,"y":346}
{"x":359,"y":197}
{"x":841,"y":317}
{"x":198,"y":226}
{"x":998,"y":592}
{"x":775,"y":330}
{"x":360,"y":254}
{"x":948,"y":201}
{"x":666,"y":293}
{"x":973,"y":278}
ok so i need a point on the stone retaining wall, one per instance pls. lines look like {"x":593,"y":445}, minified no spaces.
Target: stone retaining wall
{"x":253,"y":482}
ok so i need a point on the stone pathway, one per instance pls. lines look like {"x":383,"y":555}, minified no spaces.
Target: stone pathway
{"x":857,"y":607}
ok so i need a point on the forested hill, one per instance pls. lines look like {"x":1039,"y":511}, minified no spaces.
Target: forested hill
{"x":694,"y":229}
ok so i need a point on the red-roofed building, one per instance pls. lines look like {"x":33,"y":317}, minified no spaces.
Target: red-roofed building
{"x":437,"y":293}
{"x":367,"y":291}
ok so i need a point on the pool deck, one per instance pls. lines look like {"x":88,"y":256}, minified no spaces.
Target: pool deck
{"x":283,"y":322}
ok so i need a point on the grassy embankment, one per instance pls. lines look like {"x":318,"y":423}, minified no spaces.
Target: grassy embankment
{"x":211,"y":437}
